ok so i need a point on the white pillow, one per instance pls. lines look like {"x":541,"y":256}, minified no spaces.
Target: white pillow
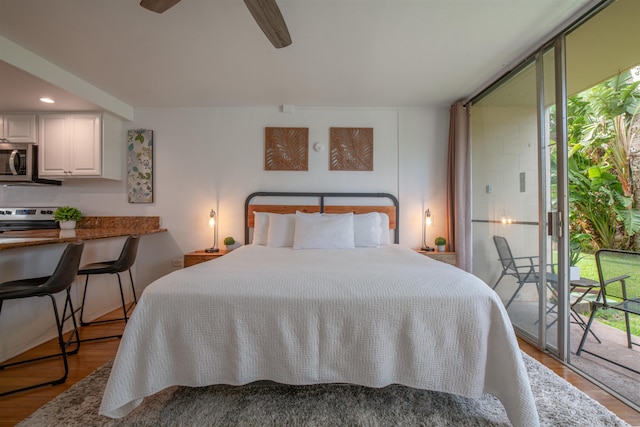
{"x":281,"y":230}
{"x":384,"y":229}
{"x":260,"y":228}
{"x":366,"y":230}
{"x":313,"y":231}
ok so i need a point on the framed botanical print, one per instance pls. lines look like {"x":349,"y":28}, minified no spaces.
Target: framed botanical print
{"x":140,"y":166}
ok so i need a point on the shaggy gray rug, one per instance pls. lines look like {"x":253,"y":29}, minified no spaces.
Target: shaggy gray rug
{"x":558,"y":403}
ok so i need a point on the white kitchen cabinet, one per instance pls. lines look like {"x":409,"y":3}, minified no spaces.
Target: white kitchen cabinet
{"x":87,"y":145}
{"x":18,"y":127}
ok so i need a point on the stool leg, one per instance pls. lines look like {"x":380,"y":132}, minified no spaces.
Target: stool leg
{"x":75,"y":331}
{"x":103,"y":321}
{"x":84,"y":296}
{"x":124,"y":305}
{"x":63,"y":353}
{"x":125,"y":309}
{"x":133,"y":288}
{"x":63,"y":347}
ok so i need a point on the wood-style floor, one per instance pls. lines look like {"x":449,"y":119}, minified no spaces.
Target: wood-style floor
{"x":14,"y":408}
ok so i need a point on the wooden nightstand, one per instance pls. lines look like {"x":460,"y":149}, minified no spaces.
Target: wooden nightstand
{"x":197,"y":257}
{"x":447,"y":257}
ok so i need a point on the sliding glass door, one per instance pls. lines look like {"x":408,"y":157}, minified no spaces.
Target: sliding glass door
{"x":566,"y":109}
{"x":505,"y":196}
{"x":517,"y":212}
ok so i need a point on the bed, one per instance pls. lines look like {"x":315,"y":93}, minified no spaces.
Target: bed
{"x":308,"y":310}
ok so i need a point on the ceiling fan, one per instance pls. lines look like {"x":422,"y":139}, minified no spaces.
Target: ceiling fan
{"x":265,"y":12}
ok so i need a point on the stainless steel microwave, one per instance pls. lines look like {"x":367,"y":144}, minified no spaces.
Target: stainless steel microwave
{"x":19,"y":164}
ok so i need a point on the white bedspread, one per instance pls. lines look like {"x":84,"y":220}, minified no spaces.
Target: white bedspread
{"x":373,"y":317}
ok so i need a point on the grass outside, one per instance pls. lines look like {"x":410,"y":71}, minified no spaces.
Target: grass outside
{"x":614,"y":318}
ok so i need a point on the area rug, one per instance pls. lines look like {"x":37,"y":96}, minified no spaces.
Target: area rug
{"x":558,"y":403}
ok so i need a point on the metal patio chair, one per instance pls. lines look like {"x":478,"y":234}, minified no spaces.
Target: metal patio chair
{"x":523,"y":269}
{"x":619,"y":276}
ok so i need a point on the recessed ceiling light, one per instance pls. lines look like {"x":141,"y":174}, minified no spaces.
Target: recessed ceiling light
{"x":47,"y":100}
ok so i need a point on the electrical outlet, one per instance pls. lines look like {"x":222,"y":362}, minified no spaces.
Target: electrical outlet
{"x":176,"y":262}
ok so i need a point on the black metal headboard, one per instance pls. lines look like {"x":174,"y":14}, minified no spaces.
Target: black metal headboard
{"x":321,"y":204}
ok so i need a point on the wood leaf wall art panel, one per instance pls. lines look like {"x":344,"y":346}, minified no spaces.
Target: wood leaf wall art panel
{"x":286,"y":149}
{"x":351,"y":149}
{"x":140,"y":166}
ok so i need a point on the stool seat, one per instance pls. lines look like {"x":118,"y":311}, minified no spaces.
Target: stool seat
{"x":106,"y":267}
{"x":124,"y":263}
{"x":22,"y":288}
{"x":62,"y":278}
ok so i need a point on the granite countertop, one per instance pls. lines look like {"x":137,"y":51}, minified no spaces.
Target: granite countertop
{"x":89,"y":228}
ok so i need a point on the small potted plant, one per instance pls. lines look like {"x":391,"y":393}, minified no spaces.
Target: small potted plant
{"x":440,"y":242}
{"x":67,"y":216}
{"x":576,"y":240}
{"x":230,"y":243}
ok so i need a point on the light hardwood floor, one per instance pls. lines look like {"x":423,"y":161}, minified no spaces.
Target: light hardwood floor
{"x":14,"y":408}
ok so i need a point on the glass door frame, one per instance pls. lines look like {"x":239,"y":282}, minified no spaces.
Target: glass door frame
{"x":554,"y":225}
{"x":562,"y":150}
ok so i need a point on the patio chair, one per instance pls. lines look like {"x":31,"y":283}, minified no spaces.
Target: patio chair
{"x":619,"y":276}
{"x":523,"y":269}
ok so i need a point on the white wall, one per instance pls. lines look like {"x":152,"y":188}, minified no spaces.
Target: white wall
{"x":213,"y":158}
{"x":208,"y":158}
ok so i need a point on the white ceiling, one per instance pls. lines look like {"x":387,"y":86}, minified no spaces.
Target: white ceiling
{"x":352,"y":53}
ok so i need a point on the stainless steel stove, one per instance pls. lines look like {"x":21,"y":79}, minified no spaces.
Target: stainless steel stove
{"x":20,"y":219}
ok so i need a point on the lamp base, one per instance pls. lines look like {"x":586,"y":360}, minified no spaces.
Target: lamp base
{"x":427,"y":249}
{"x":213,"y":250}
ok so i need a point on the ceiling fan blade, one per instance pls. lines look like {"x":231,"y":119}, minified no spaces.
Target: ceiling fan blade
{"x":268,"y":16}
{"x":158,"y":6}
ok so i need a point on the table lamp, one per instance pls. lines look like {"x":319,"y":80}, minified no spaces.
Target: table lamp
{"x":213,"y":224}
{"x":428,"y":222}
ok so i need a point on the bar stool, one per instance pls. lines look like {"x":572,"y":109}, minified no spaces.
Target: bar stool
{"x":123,"y":263}
{"x":61,"y":279}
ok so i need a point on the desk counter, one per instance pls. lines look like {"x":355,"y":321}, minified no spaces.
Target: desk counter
{"x":89,"y":228}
